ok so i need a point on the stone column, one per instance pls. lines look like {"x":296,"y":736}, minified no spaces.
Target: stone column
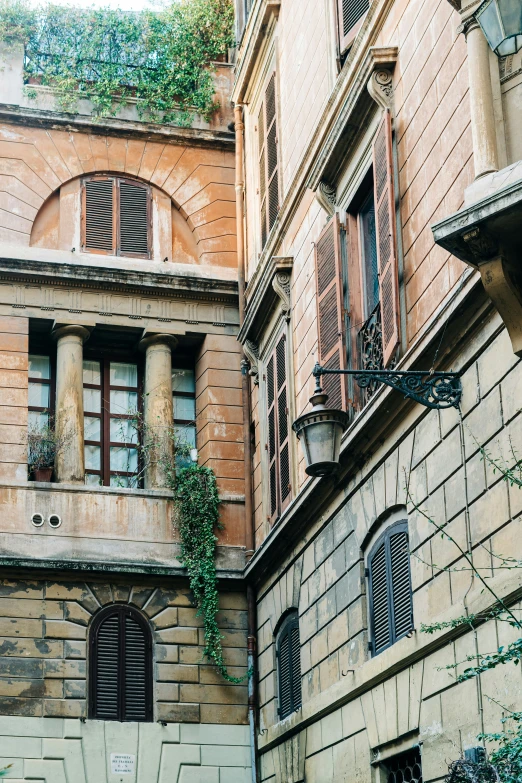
{"x":69,"y":464}
{"x":158,"y":414}
{"x":485,"y":152}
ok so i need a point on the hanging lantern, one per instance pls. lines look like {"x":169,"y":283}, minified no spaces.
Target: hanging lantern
{"x":320,"y":433}
{"x":501,"y":23}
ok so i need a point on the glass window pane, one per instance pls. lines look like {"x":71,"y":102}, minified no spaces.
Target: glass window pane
{"x":123,"y":374}
{"x":38,"y":421}
{"x":183,"y":380}
{"x":92,"y":480}
{"x":124,"y":402}
{"x":184,"y":408}
{"x":185,"y":435}
{"x":92,"y":372}
{"x":123,"y":431}
{"x":92,"y":457}
{"x":39,"y":395}
{"x":39,"y":367}
{"x":92,"y":400}
{"x":91,"y":428}
{"x":125,"y":460}
{"x":123,"y":481}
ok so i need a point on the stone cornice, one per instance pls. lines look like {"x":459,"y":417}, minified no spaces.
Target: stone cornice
{"x":111,"y":126}
{"x":264,"y":289}
{"x":258,"y":21}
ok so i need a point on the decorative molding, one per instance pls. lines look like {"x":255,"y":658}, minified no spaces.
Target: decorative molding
{"x":281,"y":285}
{"x":264,"y":293}
{"x":326,"y":195}
{"x":251,"y":351}
{"x":380,"y":87}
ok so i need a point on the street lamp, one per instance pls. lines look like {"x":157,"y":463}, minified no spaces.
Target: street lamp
{"x":501,"y":23}
{"x":320,"y":431}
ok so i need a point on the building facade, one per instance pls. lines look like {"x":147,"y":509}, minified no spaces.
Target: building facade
{"x":379,"y":192}
{"x":118,"y":293}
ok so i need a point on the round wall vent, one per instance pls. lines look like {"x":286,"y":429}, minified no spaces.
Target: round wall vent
{"x":37,"y":520}
{"x":55,"y":520}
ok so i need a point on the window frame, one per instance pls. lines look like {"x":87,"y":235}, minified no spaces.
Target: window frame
{"x":105,"y":415}
{"x":185,"y":423}
{"x":400,"y":526}
{"x":120,"y":610}
{"x":116,"y":222}
{"x":274,"y":461}
{"x":289,"y":622}
{"x":51,"y":382}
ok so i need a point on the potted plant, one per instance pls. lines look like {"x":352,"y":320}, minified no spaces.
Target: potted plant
{"x":42,"y":447}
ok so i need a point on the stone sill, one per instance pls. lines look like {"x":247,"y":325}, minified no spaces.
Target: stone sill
{"x":382,"y":667}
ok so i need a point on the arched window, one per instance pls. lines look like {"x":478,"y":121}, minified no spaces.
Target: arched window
{"x":389,"y":577}
{"x":116,"y":216}
{"x":120,"y":665}
{"x":288,"y":650}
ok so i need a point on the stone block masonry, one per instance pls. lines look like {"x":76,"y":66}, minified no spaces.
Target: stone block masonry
{"x":44,"y":628}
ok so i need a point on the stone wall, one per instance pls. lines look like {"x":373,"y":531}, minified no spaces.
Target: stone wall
{"x":43,"y":649}
{"x":357,"y":704}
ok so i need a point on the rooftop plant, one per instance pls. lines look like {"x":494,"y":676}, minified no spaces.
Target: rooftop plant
{"x":162,"y":58}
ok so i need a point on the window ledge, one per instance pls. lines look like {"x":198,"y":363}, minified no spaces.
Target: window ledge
{"x":90,"y":490}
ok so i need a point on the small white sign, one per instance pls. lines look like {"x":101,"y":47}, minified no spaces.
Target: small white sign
{"x":122,"y":763}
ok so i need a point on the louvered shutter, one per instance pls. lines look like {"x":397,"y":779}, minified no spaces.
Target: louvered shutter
{"x":133,"y":219}
{"x":268,"y":161}
{"x":331,"y":332}
{"x":289,"y":666}
{"x":401,"y":584}
{"x":98,"y":215}
{"x":283,"y":440}
{"x":386,"y":238}
{"x":262,"y":174}
{"x":380,"y":600}
{"x":107,"y":669}
{"x":351,"y":13}
{"x":120,"y":666}
{"x":272,"y":438}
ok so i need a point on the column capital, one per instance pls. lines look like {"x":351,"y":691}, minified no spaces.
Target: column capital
{"x":67,"y":330}
{"x":168,"y":340}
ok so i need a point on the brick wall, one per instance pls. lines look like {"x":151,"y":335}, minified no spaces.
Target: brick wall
{"x":14,"y":347}
{"x":43,"y":633}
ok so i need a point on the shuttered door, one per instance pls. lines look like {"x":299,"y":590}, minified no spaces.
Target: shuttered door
{"x":121,"y":666}
{"x":98,"y":215}
{"x":401,"y":584}
{"x":386,"y":238}
{"x":329,"y":290}
{"x":351,"y":13}
{"x":289,"y":666}
{"x":278,"y":445}
{"x":391,"y":604}
{"x":134,"y":219}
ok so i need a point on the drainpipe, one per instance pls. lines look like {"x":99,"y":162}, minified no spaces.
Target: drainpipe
{"x":249,"y":517}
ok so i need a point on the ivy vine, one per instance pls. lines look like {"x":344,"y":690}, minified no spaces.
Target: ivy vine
{"x":163,"y":59}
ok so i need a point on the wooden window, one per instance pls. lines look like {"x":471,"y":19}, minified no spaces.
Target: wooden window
{"x":268,"y":161}
{"x":390,"y":594}
{"x":184,"y":405}
{"x":120,"y":665}
{"x":330,"y":312}
{"x":41,"y":390}
{"x":351,"y":15}
{"x":278,"y":446}
{"x":111,"y":400}
{"x":116,"y":217}
{"x":288,"y":651}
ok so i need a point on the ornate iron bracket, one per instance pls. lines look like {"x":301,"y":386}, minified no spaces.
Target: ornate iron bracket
{"x":435,"y":390}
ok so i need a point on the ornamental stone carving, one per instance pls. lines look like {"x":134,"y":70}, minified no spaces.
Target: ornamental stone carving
{"x":251,"y":351}
{"x":380,"y":87}
{"x":281,"y":285}
{"x":326,"y":195}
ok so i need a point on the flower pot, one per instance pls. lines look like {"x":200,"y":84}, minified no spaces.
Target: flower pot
{"x":43,"y":474}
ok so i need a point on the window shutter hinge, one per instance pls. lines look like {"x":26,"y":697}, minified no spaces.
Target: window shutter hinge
{"x":367,"y":573}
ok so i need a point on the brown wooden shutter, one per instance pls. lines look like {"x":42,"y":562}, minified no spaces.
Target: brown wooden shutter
{"x":350,"y":14}
{"x":268,"y":161}
{"x":262,"y":174}
{"x":386,"y":238}
{"x":278,"y":445}
{"x":272,"y":438}
{"x":331,"y":331}
{"x":134,"y":219}
{"x":98,"y":215}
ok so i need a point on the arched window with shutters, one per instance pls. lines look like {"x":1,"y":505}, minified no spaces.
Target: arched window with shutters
{"x":120,"y":665}
{"x":116,"y":216}
{"x":389,"y":583}
{"x":288,"y":651}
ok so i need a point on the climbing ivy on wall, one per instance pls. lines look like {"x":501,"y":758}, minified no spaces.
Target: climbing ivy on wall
{"x":163,"y":59}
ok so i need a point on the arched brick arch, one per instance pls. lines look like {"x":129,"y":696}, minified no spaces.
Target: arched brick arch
{"x":36,"y":162}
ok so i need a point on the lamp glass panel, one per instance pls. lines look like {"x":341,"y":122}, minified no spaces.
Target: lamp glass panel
{"x":511,"y":13}
{"x":490,"y":23}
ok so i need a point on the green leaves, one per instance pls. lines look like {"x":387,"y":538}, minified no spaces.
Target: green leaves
{"x":162,"y":59}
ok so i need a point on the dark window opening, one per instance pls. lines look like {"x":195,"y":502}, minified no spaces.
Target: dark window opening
{"x":116,"y":217}
{"x":184,"y":406}
{"x":288,"y":650}
{"x":369,"y":254}
{"x":404,"y":767}
{"x":120,"y":666}
{"x":390,"y":593}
